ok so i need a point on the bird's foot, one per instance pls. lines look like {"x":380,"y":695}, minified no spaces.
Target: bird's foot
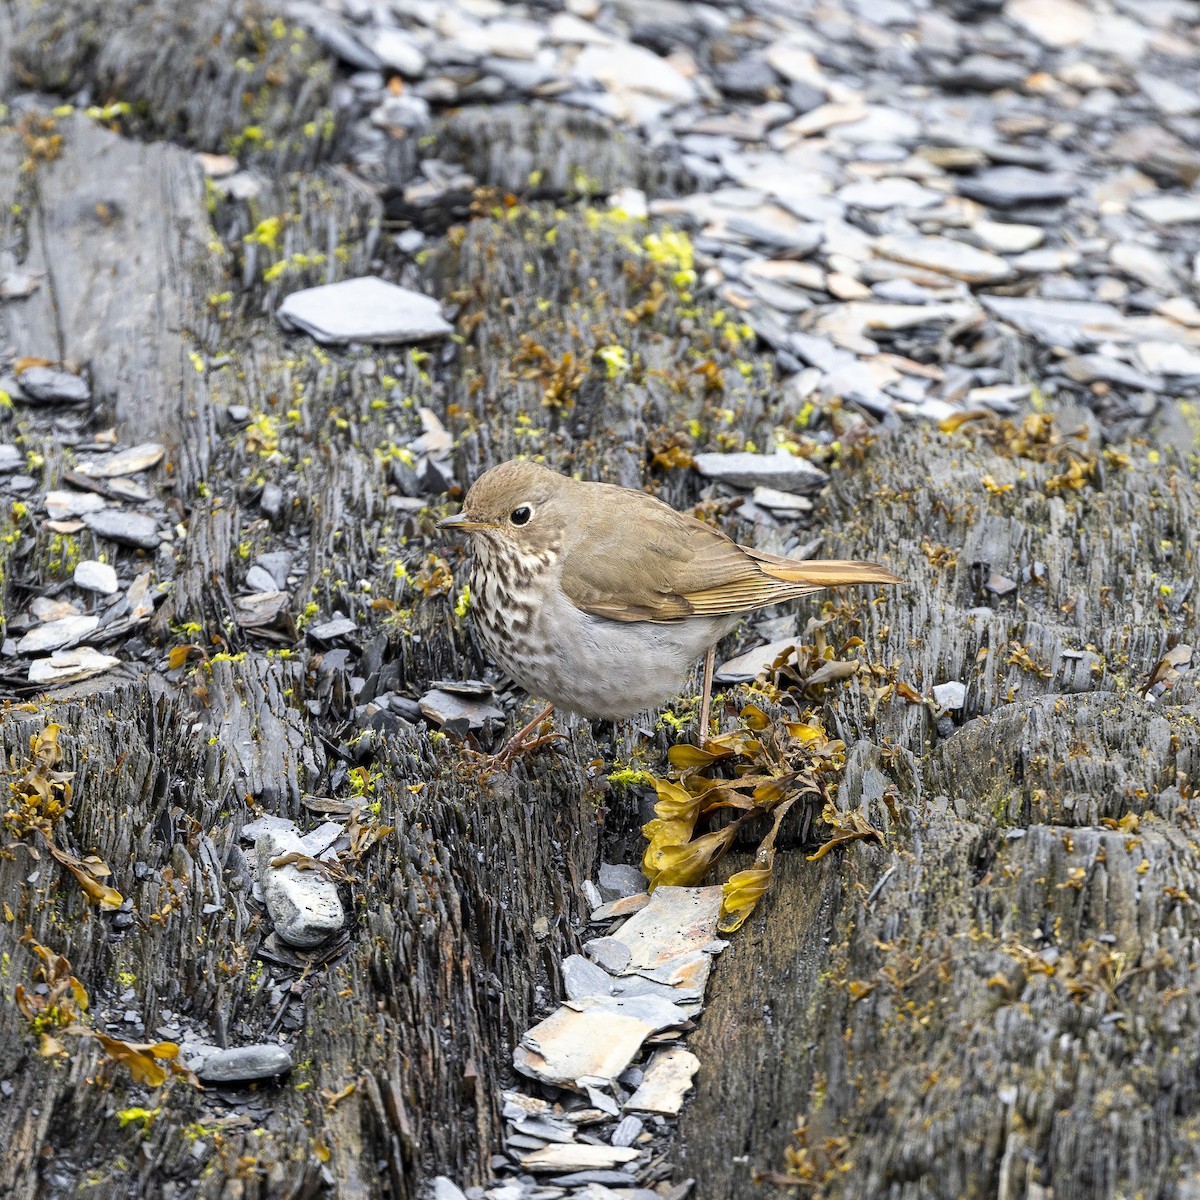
{"x":509,"y":753}
{"x":522,"y":743}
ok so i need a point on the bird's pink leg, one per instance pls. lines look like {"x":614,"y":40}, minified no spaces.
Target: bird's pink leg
{"x":516,"y":746}
{"x":706,"y":696}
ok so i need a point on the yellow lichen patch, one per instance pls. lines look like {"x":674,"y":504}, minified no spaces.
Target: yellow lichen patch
{"x":615,"y":360}
{"x":262,"y":435}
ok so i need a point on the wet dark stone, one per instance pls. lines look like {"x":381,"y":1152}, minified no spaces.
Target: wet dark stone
{"x":983,"y":73}
{"x":750,"y":77}
{"x":243,"y":1064}
{"x":803,"y":97}
{"x":1012,"y":187}
{"x":608,"y":1178}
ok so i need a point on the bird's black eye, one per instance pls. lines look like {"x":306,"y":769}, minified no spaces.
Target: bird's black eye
{"x":520,"y":516}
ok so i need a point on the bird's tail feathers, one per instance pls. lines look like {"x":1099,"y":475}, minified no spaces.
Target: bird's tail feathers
{"x":826,"y":572}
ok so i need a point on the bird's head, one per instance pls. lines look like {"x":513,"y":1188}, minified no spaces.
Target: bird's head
{"x":517,"y":504}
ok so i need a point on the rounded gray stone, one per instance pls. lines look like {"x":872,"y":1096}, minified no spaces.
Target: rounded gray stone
{"x":304,"y":905}
{"x":244,"y":1064}
{"x":95,"y":576}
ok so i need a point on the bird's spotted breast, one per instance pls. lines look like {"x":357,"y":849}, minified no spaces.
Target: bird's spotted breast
{"x":504,"y":600}
{"x":579,"y":662}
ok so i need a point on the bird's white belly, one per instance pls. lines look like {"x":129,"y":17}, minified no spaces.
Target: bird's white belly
{"x":598,"y":667}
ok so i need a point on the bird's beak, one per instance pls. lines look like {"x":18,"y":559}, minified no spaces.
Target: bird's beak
{"x":460,"y":521}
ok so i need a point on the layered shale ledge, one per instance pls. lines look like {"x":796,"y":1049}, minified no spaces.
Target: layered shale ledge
{"x":996,"y":998}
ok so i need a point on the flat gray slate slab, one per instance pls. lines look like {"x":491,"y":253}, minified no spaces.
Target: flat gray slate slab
{"x":127,"y":528}
{"x":666,"y":1081}
{"x":51,"y":385}
{"x":1011,"y":187}
{"x":53,"y":635}
{"x":70,"y":666}
{"x":128,"y":462}
{"x":364,"y":310}
{"x":784,"y":471}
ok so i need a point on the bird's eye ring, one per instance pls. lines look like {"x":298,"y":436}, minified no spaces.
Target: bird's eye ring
{"x":520,"y":516}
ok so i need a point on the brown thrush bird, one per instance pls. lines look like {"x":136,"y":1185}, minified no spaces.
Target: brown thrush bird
{"x":599,"y":599}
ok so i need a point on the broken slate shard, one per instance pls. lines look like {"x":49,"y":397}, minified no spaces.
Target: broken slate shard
{"x":55,"y":634}
{"x":1162,"y":210}
{"x":578,"y":1157}
{"x":583,"y":979}
{"x":620,"y":879}
{"x":139,"y":603}
{"x":665,"y":1083}
{"x":444,"y":708}
{"x":593,"y":1039}
{"x":259,"y":609}
{"x":266,"y":823}
{"x":626,"y":906}
{"x":627,"y":1132}
{"x":126,"y":462}
{"x":304,"y":905}
{"x":672,"y":940}
{"x":783,"y":471}
{"x":569,"y":1044}
{"x":746,"y":668}
{"x":70,"y":666}
{"x":946,"y":257}
{"x":127,"y":489}
{"x":1068,"y":323}
{"x":125,"y":528}
{"x":1165,"y":358}
{"x":328,"y":631}
{"x":258,"y":580}
{"x":364,"y":310}
{"x":952,"y":695}
{"x":52,"y":385}
{"x":63,"y":504}
{"x":44,"y":609}
{"x":1012,"y":187}
{"x":787,"y":503}
{"x":318,"y":841}
{"x":277,"y":565}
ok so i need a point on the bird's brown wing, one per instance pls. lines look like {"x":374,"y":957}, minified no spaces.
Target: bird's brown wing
{"x":643,"y":561}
